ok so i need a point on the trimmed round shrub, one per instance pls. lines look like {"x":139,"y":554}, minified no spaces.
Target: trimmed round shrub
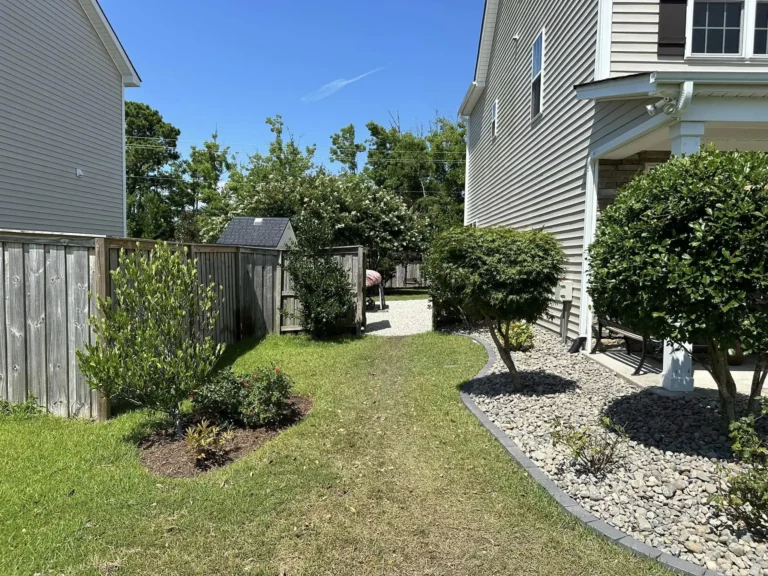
{"x":681,"y":255}
{"x":497,"y":276}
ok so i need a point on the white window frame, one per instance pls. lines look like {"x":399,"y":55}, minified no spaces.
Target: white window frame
{"x":495,"y":118}
{"x":541,"y":74}
{"x":746,"y":52}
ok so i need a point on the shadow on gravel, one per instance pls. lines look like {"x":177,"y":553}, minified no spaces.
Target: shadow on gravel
{"x":689,"y":425}
{"x":535,"y":383}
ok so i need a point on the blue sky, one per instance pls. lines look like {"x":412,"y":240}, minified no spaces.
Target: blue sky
{"x":321,"y":64}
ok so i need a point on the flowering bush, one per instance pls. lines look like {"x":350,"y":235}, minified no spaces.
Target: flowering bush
{"x":256,"y":399}
{"x":266,"y":402}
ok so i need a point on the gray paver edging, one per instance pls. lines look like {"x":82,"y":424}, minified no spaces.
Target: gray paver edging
{"x":673,"y":563}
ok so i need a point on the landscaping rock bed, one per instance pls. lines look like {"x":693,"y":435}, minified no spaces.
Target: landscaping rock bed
{"x":164,"y":454}
{"x":659,"y":490}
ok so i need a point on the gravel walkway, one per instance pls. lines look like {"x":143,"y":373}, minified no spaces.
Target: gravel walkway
{"x":659,"y":491}
{"x":402,"y":318}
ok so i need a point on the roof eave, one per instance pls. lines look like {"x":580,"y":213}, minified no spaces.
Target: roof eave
{"x":103,"y":27}
{"x":487,"y":32}
{"x":471,"y":98}
{"x":650,"y":84}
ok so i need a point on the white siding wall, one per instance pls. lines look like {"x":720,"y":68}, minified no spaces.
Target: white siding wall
{"x":634,"y":40}
{"x":532,"y":175}
{"x":60,"y":109}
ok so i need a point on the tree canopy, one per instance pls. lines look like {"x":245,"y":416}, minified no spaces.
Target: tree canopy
{"x":410,"y":187}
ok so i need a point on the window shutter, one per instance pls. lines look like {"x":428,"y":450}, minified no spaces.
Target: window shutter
{"x":672,"y":16}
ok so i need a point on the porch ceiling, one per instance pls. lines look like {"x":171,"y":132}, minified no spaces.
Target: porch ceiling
{"x":747,"y":136}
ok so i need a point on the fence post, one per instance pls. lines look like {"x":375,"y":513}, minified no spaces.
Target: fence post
{"x":238,"y":297}
{"x":101,"y":288}
{"x":360,"y":297}
{"x":277,"y":281}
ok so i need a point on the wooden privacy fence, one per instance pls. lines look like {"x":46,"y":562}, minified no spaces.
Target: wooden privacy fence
{"x":407,"y":276}
{"x":46,"y":279}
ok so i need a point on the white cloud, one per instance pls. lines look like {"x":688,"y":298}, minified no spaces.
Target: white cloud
{"x":335,"y":86}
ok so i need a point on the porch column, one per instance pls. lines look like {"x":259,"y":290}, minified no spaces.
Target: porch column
{"x":677,"y":374}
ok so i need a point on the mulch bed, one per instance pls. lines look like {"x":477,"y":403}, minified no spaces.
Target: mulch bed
{"x":166,"y":455}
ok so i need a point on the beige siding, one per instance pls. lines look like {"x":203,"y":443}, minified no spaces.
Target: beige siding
{"x":634,"y":38}
{"x":60,"y":110}
{"x":532,"y":175}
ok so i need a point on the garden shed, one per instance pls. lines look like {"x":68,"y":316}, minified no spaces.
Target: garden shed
{"x":272,"y":233}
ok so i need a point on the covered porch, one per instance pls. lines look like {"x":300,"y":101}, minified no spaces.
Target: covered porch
{"x":640,"y":122}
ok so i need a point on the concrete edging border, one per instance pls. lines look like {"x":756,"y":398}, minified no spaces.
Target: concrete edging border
{"x":640,"y":549}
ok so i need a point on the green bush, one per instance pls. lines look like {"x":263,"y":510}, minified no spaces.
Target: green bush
{"x":256,"y":399}
{"x":23,"y":410}
{"x":746,"y":498}
{"x":209,"y":443}
{"x":593,"y":450}
{"x":521,"y":337}
{"x":221,"y":397}
{"x":496,"y":276}
{"x":267,"y":400}
{"x":319,"y":281}
{"x":681,"y":256}
{"x":154,"y":343}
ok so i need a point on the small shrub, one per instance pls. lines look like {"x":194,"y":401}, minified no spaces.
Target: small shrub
{"x":154,"y":344}
{"x":257,"y":399}
{"x":498,"y":276}
{"x":23,"y":410}
{"x":745,"y":499}
{"x":267,"y":397}
{"x":208,"y":443}
{"x":222,"y":397}
{"x":521,"y":337}
{"x":593,"y":451}
{"x":320,"y":283}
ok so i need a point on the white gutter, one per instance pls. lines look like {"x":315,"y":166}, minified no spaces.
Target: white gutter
{"x":667,"y":84}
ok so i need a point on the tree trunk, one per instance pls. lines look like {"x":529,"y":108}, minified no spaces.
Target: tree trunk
{"x":177,"y":421}
{"x":505,"y":354}
{"x":726,"y":387}
{"x":758,"y":379}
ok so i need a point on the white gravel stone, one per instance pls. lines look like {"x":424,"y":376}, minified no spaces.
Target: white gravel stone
{"x":401,"y":318}
{"x":659,"y":491}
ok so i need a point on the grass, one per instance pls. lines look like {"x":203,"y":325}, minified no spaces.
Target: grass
{"x":408,"y":295}
{"x":389,"y":475}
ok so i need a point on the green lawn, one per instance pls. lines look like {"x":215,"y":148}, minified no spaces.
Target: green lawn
{"x":389,"y":474}
{"x":408,"y":295}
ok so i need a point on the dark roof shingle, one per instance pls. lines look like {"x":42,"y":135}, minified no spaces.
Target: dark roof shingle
{"x":248,"y":231}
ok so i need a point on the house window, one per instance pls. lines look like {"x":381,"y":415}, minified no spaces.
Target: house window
{"x":537,"y":76}
{"x":761,"y":29}
{"x":717,"y":27}
{"x":495,"y":118}
{"x":726,"y":28}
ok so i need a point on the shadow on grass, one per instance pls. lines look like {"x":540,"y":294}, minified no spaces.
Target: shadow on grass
{"x":535,"y":383}
{"x":689,"y":425}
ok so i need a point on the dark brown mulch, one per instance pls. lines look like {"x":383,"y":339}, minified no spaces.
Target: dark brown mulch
{"x":164,"y":454}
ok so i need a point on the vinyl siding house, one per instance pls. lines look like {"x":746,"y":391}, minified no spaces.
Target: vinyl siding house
{"x":63,"y":73}
{"x":567,"y":105}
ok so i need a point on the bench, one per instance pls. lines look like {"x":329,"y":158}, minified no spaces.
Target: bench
{"x":628,"y":335}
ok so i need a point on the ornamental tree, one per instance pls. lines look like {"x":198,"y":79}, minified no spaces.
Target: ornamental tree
{"x":154,"y":343}
{"x":497,"y":276}
{"x":681,"y":255}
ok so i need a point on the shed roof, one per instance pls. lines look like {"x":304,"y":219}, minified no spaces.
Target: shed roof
{"x":248,"y":231}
